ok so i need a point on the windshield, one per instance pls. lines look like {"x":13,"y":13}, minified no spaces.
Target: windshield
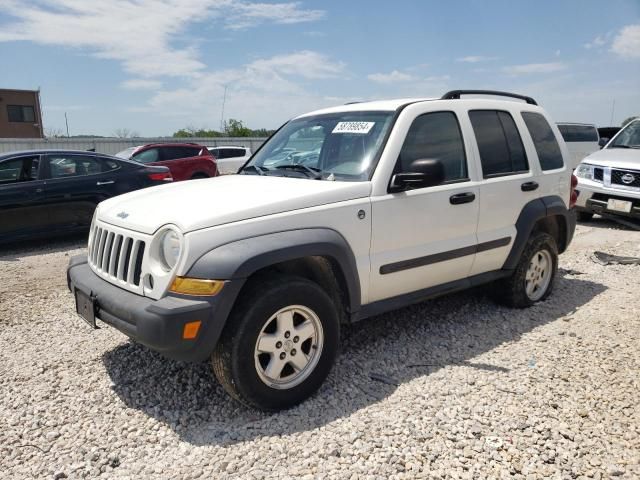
{"x":339,"y":146}
{"x":126,"y":153}
{"x":629,"y":137}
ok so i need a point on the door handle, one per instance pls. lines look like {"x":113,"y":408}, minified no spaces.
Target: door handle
{"x":529,"y":186}
{"x":461,"y":198}
{"x":106,"y":183}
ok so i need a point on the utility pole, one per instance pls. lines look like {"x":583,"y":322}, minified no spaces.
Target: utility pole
{"x":613,"y":107}
{"x":67,"y":123}
{"x":224,"y":99}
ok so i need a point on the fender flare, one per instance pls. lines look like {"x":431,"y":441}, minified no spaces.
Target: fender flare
{"x":531,"y":213}
{"x":240,"y":259}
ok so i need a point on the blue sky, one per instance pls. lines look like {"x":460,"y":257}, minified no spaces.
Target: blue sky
{"x":154,"y":66}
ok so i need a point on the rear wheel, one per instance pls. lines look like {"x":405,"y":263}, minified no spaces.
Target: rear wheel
{"x":199,"y":175}
{"x":532,"y":280}
{"x":279,"y":344}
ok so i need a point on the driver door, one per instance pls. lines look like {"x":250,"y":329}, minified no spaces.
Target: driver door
{"x":427,"y":236}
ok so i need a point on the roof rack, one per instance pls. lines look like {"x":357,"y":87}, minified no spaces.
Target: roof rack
{"x":455,"y":94}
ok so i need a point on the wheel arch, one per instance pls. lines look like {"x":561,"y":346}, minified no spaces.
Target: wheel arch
{"x":547,"y":214}
{"x":319,"y":254}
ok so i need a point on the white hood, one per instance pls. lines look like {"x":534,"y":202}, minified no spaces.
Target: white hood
{"x":616,"y":158}
{"x":197,"y":204}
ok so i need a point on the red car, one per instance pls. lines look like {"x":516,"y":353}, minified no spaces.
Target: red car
{"x":185,"y":160}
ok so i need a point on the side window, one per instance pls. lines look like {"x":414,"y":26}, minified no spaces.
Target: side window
{"x":108,"y":165}
{"x":499,"y":143}
{"x":218,"y":153}
{"x":173,"y":153}
{"x":436,"y":136}
{"x":19,"y":170}
{"x":578,"y":133}
{"x":147,"y":156}
{"x":545,"y":141}
{"x":61,"y":166}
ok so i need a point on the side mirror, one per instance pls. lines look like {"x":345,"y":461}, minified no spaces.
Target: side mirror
{"x":422,"y":173}
{"x":603,"y":141}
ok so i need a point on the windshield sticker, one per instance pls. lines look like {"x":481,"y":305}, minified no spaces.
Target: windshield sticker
{"x":360,"y":128}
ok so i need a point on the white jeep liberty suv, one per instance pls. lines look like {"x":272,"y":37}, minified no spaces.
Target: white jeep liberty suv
{"x":342,"y":214}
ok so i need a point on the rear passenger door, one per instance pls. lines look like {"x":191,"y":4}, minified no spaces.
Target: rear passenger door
{"x":508,"y":184}
{"x":183,"y":160}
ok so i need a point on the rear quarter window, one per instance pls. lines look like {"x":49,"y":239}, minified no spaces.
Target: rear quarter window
{"x":579,"y":133}
{"x":544,"y":140}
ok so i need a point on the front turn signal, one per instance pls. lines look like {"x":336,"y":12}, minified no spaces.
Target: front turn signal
{"x":196,"y":286}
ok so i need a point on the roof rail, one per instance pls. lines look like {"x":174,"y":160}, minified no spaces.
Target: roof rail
{"x":353,"y":103}
{"x":455,"y":94}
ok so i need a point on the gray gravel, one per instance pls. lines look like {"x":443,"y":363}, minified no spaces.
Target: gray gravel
{"x":454,"y":388}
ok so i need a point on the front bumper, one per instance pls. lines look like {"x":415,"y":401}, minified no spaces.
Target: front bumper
{"x":158,"y":324}
{"x":593,"y":197}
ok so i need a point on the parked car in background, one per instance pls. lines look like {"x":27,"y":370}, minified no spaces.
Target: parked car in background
{"x":609,"y":180}
{"x":186,"y":161}
{"x":582,"y":139}
{"x":230,"y":158}
{"x":48,"y":192}
{"x":607,"y":133}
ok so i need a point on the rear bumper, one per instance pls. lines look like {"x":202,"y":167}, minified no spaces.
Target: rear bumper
{"x":158,"y":324}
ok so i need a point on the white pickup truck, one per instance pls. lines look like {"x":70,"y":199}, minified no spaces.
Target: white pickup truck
{"x":342,"y":214}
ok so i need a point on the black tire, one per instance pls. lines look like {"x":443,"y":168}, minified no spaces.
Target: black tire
{"x":584,"y":216}
{"x":512,"y":290}
{"x":196,"y":176}
{"x":233,"y":360}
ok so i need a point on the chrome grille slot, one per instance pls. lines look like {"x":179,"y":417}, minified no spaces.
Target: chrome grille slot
{"x":118,"y":256}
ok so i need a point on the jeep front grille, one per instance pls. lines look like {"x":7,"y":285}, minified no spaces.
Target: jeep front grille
{"x":117,"y":256}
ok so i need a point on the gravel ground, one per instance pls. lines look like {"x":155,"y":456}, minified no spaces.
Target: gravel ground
{"x":462,"y":388}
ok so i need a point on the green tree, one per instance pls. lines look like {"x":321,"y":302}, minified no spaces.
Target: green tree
{"x":627,"y":120}
{"x":235,"y":128}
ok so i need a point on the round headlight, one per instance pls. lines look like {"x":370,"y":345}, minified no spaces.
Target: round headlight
{"x":170,"y":246}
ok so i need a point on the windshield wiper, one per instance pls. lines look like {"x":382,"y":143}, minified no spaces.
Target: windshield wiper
{"x":256,"y":168}
{"x":620,"y":146}
{"x":311,"y":172}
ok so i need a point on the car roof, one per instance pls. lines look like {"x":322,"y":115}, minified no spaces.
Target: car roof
{"x":395,"y":104}
{"x":577,"y":123}
{"x":227,"y":146}
{"x":24,"y":153}
{"x":375,"y":105}
{"x":172,"y":144}
{"x":20,"y":153}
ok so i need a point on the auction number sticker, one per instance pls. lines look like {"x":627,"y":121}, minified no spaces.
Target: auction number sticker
{"x":360,"y":128}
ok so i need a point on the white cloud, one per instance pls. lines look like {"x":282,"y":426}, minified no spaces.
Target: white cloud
{"x":306,"y":64}
{"x":626,"y":43}
{"x":533,"y":68}
{"x":249,"y":14}
{"x":140,"y":34}
{"x":141,"y":84}
{"x":265,"y":92}
{"x":597,"y":42}
{"x":392,"y":77}
{"x":476,"y":59}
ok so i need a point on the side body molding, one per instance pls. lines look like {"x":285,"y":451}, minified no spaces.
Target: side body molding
{"x":238,"y":260}
{"x":532,"y":212}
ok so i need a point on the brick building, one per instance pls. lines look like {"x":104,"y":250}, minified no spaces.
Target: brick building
{"x":20,"y":114}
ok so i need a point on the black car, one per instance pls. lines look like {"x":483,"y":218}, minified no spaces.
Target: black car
{"x":48,"y":192}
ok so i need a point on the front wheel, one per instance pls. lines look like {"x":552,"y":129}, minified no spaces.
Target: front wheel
{"x":532,"y":280}
{"x":279,"y":344}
